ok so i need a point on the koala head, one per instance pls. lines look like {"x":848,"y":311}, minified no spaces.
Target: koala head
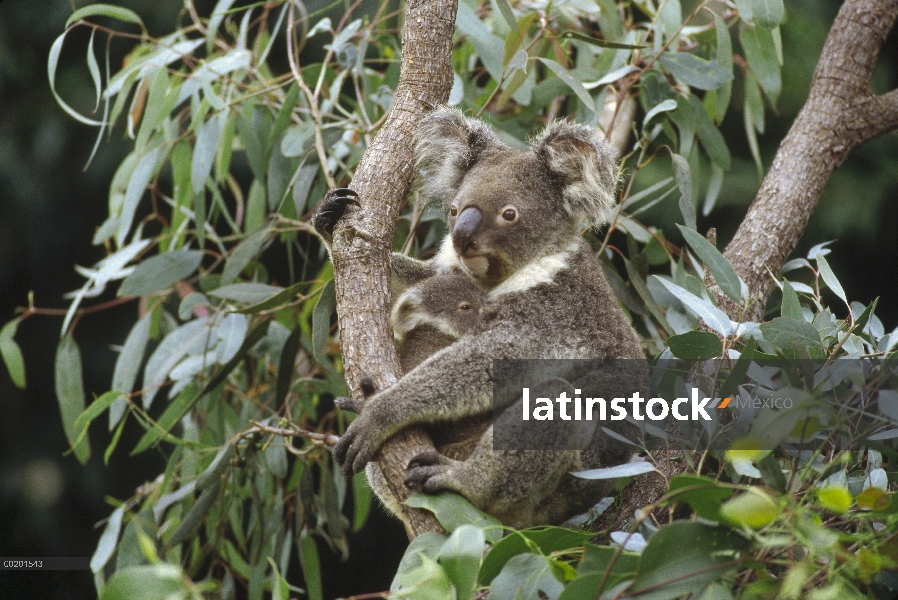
{"x":507,"y":207}
{"x":447,"y":302}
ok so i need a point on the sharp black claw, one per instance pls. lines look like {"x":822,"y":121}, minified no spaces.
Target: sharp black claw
{"x":332,"y":207}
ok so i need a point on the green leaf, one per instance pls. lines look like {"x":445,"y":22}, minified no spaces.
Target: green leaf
{"x":724,"y":58}
{"x":195,"y":515}
{"x":600,"y":43}
{"x":12,"y":354}
{"x":280,"y":587}
{"x":665,"y":106}
{"x":713,"y":317}
{"x":829,"y":277}
{"x":547,"y":540}
{"x":526,"y":576}
{"x":148,"y":582}
{"x":683,"y":177}
{"x":452,"y":511}
{"x":573,"y":83}
{"x":684,"y":558}
{"x":427,"y":582}
{"x":311,"y":566}
{"x":105,"y":10}
{"x":108,"y":540}
{"x":137,"y":185}
{"x":217,"y":467}
{"x":427,"y":544}
{"x":94,"y":69}
{"x":753,"y":509}
{"x":276,"y":457}
{"x":790,"y":307}
{"x":710,"y":137}
{"x":52,"y":60}
{"x":694,"y":71}
{"x":361,"y":494}
{"x":244,"y":252}
{"x":724,"y":273}
{"x":695,"y":345}
{"x":460,"y":557}
{"x":160,"y":272}
{"x":768,"y":13}
{"x":704,"y":495}
{"x":70,"y":393}
{"x":508,"y":15}
{"x":208,"y":140}
{"x":173,"y":413}
{"x":248,"y":293}
{"x":288,"y":363}
{"x":96,"y":408}
{"x":321,"y":317}
{"x":760,"y":52}
{"x":785,"y":332}
{"x":715,"y":183}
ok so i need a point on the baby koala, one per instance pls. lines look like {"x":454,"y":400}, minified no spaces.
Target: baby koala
{"x":434,"y":314}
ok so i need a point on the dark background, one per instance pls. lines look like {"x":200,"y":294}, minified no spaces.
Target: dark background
{"x":49,"y":209}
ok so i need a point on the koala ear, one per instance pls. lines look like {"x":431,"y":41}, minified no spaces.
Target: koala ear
{"x":586,"y":166}
{"x":447,"y":144}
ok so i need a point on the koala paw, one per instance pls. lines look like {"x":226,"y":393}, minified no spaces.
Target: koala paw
{"x":349,"y":404}
{"x":429,"y":472}
{"x":357,"y":446}
{"x":331,"y":208}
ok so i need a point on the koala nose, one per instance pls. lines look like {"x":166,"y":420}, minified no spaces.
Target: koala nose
{"x":465,"y":227}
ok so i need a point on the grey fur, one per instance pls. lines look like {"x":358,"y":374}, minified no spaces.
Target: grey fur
{"x":434,"y":314}
{"x":547,"y":298}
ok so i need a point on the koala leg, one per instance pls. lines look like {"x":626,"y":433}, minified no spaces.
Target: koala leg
{"x":507,"y":484}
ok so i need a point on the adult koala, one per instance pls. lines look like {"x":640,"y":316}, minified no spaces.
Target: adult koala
{"x":515,"y":220}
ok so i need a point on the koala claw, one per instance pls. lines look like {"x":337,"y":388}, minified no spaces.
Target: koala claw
{"x":331,"y":208}
{"x":355,"y":448}
{"x":349,"y":404}
{"x":425,"y":470}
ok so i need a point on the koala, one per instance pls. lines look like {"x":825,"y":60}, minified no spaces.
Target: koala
{"x":515,"y":220}
{"x":428,"y":317}
{"x":434,"y":314}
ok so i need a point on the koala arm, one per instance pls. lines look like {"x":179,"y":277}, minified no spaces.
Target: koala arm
{"x":454,"y":383}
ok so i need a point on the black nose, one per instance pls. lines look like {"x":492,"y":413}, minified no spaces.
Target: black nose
{"x":465,"y":227}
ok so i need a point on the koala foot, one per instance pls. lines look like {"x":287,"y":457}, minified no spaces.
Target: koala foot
{"x":429,"y":472}
{"x":331,"y":208}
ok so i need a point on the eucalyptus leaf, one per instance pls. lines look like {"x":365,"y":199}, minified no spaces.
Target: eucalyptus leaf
{"x":724,"y":273}
{"x":321,"y":317}
{"x":160,"y":272}
{"x":694,"y":71}
{"x":70,"y":393}
{"x":12,"y":354}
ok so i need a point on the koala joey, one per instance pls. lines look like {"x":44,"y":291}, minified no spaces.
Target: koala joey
{"x":434,"y":314}
{"x":515,"y":220}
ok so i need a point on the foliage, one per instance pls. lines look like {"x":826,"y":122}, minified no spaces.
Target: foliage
{"x":242,"y":120}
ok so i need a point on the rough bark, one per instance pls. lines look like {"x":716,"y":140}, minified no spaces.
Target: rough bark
{"x":363,"y":240}
{"x":840,"y":114}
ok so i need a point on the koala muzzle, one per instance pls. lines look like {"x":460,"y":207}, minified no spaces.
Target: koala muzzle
{"x":465,"y":228}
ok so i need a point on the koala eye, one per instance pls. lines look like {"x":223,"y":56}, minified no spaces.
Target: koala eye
{"x":453,"y":210}
{"x":509,"y":214}
{"x":465,"y":306}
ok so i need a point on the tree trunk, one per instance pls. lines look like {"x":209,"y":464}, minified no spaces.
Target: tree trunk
{"x":363,"y":240}
{"x":840,"y":114}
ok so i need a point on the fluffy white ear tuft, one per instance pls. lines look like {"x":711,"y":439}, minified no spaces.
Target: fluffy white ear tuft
{"x":447,"y":144}
{"x":586,"y":166}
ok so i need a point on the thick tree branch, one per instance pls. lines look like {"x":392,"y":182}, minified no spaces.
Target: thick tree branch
{"x":840,"y":114}
{"x":364,"y":239}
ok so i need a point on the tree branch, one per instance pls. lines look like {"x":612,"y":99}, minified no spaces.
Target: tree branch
{"x":840,"y":114}
{"x":364,"y":239}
